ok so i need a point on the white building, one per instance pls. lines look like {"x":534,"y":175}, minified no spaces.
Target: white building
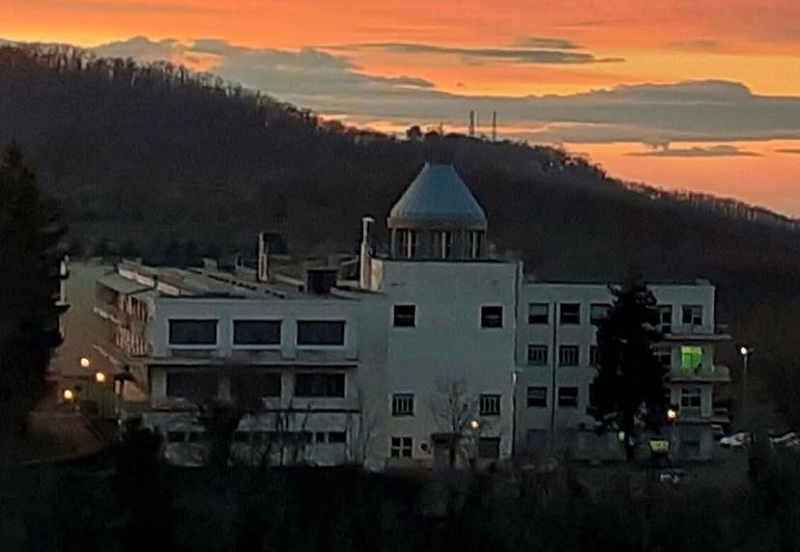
{"x":436,"y":339}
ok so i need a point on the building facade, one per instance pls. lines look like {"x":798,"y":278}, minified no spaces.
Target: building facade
{"x":437,"y":355}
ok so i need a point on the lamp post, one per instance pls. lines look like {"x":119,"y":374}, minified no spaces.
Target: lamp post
{"x":745,"y":352}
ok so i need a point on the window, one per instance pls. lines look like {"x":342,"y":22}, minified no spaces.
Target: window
{"x":408,"y":243}
{"x":489,"y":405}
{"x":446,"y":244}
{"x":594,"y":355}
{"x":489,"y":447}
{"x":256,"y":332}
{"x":598,"y":312}
{"x":337,"y":437}
{"x":691,"y":358}
{"x":319,"y":385}
{"x":192,"y":332}
{"x":568,"y":355}
{"x":568,"y":397}
{"x":405,"y":316}
{"x":491,"y":317}
{"x":401,"y":447}
{"x":537,"y":355}
{"x":570,"y":313}
{"x":198,"y":387}
{"x":475,"y":243}
{"x":665,"y":318}
{"x":663,"y":356}
{"x":693,"y":315}
{"x":248,"y":386}
{"x":538,"y":313}
{"x":402,"y":404}
{"x":537,"y":397}
{"x":690,"y":398}
{"x":320,"y":332}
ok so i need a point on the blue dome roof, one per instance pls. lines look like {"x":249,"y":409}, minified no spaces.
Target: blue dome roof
{"x":437,"y":195}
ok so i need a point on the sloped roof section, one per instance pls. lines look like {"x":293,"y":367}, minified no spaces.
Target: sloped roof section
{"x":437,"y":195}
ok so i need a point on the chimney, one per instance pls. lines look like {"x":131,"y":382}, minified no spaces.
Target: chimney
{"x":320,"y":281}
{"x":262,"y":275}
{"x":364,"y":265}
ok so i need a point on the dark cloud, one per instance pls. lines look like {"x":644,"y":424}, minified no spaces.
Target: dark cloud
{"x":483,"y":55}
{"x":721,"y":150}
{"x":545,"y":42}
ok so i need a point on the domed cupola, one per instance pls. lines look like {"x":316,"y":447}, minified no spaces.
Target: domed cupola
{"x":437,"y":218}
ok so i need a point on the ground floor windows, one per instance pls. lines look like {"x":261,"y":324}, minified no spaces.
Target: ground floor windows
{"x":489,"y":405}
{"x":400,"y":447}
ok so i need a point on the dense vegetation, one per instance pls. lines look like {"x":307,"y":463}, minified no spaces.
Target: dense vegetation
{"x":156,"y":160}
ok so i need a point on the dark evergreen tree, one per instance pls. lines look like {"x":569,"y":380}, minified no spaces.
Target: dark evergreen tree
{"x":30,"y":260}
{"x":628,"y":392}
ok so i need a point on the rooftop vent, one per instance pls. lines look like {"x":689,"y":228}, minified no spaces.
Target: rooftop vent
{"x":320,"y":281}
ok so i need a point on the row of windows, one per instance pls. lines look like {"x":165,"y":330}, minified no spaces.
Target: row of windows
{"x":203,"y":386}
{"x":536,"y":397}
{"x":256,"y":332}
{"x":570,"y":314}
{"x":568,"y":355}
{"x":405,"y":316}
{"x":403,"y":447}
{"x":403,"y":404}
{"x":409,"y":244}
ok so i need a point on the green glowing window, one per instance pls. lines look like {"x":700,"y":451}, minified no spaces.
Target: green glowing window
{"x":691,"y":358}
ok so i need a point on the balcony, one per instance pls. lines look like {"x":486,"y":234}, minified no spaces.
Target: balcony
{"x":688,"y":333}
{"x":704,"y":374}
{"x":111,"y":313}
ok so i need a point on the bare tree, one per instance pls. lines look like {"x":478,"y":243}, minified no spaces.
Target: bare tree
{"x":361,"y":430}
{"x":457,"y":413}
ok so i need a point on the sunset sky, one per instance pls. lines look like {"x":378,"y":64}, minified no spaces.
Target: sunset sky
{"x":700,"y":95}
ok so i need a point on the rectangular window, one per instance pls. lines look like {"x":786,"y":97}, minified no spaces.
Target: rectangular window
{"x":489,"y":447}
{"x":475,"y":243}
{"x":248,"y":386}
{"x":489,"y":405}
{"x":568,"y":355}
{"x":537,"y":397}
{"x":198,"y":387}
{"x":319,"y":385}
{"x":594,"y":355}
{"x":538,"y":313}
{"x":598,"y":312}
{"x":693,"y":315}
{"x":570,"y":313}
{"x":665,"y":318}
{"x":691,"y":358}
{"x":408,"y":243}
{"x":663,"y":356}
{"x":320,"y":332}
{"x":403,"y":404}
{"x":537,"y":355}
{"x":405,"y":316}
{"x":256,"y":332}
{"x":192,"y":332}
{"x":491,"y":317}
{"x":337,"y":437}
{"x":401,"y":447}
{"x":690,"y":398}
{"x":446,"y":244}
{"x":568,"y":397}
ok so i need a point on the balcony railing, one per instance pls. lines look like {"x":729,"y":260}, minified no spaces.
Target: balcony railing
{"x":716,"y":373}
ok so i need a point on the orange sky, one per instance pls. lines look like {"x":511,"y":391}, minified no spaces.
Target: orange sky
{"x":752,"y":42}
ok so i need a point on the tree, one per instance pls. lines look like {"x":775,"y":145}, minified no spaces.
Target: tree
{"x":628,"y":391}
{"x":457,"y":413}
{"x":30,"y":278}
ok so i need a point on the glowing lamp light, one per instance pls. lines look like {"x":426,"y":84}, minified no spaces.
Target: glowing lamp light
{"x":473,"y":424}
{"x":68,"y":395}
{"x":84,"y":362}
{"x":744,"y":351}
{"x":100,"y":377}
{"x":672,"y":414}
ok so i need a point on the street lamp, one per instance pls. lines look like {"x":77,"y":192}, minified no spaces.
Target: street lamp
{"x":745,"y":352}
{"x":672,"y":414}
{"x":84,"y":362}
{"x":68,"y":395}
{"x":100,"y":377}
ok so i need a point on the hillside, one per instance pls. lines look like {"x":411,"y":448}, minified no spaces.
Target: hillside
{"x":157,"y":160}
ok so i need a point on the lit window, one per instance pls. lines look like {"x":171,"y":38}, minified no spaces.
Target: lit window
{"x":405,"y":316}
{"x":568,"y":397}
{"x":568,"y":355}
{"x":598,"y":312}
{"x":489,"y":405}
{"x":538,"y":313}
{"x":693,"y":315}
{"x":401,"y":447}
{"x":537,"y":355}
{"x":691,"y":358}
{"x":403,"y":404}
{"x":537,"y":397}
{"x":570,"y":313}
{"x":491,"y":317}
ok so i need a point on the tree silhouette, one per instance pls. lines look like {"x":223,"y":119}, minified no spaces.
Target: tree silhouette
{"x":30,"y":259}
{"x":628,"y":391}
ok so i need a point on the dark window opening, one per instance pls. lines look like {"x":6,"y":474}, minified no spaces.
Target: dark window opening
{"x":319,"y":385}
{"x":192,"y":332}
{"x":320,"y":332}
{"x":257,"y":332}
{"x":405,"y":316}
{"x":491,"y":317}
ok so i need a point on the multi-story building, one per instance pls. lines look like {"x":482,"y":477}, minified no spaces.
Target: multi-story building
{"x":439,"y":352}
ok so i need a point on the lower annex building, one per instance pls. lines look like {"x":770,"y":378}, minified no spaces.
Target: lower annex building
{"x":434,"y":338}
